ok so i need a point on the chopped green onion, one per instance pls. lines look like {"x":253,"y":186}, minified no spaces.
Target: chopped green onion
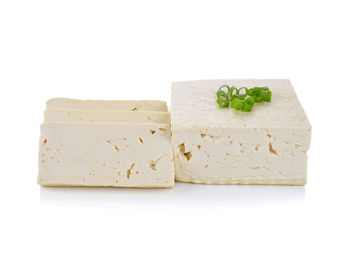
{"x":243,"y":98}
{"x":258,"y":98}
{"x":251,"y":91}
{"x":247,"y":107}
{"x":223,"y":87}
{"x":220,"y":93}
{"x":233,"y":97}
{"x":223,"y":101}
{"x":233,"y":89}
{"x":229,"y":93}
{"x":237,"y":104}
{"x":250,"y":101}
{"x":267,"y":96}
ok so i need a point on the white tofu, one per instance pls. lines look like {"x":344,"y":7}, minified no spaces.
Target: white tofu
{"x":131,"y":105}
{"x":106,"y":116}
{"x":225,"y":146}
{"x":105,"y":154}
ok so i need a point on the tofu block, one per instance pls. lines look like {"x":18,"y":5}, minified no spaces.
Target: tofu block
{"x":131,"y":105}
{"x":106,"y":116}
{"x":105,"y":154}
{"x":213,"y":145}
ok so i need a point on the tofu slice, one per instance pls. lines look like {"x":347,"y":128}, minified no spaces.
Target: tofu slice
{"x":225,"y":146}
{"x":130,"y":105}
{"x":106,"y":154}
{"x":106,"y":116}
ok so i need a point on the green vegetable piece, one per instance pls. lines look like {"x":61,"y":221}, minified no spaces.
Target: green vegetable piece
{"x":241,"y":96}
{"x":234,"y":97}
{"x":224,"y":87}
{"x":241,"y":89}
{"x":239,"y":100}
{"x":232,"y":91}
{"x":237,"y":104}
{"x":235,"y":90}
{"x":220,"y":93}
{"x":251,"y":91}
{"x":258,"y":95}
{"x":223,"y":101}
{"x":266,"y":95}
{"x":258,"y":99}
{"x":248,"y":104}
{"x":247,"y":107}
{"x":250,"y":101}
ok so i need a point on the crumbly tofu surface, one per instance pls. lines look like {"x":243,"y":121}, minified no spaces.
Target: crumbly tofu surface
{"x":106,"y":116}
{"x":225,"y":146}
{"x":106,"y":154}
{"x":131,"y":105}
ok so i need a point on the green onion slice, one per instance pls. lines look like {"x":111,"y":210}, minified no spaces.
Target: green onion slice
{"x":223,"y":101}
{"x":266,"y":95}
{"x":237,"y":104}
{"x":247,"y":107}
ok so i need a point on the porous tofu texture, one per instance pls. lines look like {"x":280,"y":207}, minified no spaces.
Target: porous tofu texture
{"x":225,"y":146}
{"x":105,"y":154}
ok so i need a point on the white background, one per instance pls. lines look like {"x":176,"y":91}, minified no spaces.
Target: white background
{"x":133,"y":50}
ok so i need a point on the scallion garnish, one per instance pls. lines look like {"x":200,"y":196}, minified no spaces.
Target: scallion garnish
{"x":237,"y":104}
{"x":223,"y":101}
{"x":267,"y":96}
{"x":243,"y":98}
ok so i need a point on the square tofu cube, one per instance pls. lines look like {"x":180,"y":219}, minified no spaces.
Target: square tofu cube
{"x":215,"y":145}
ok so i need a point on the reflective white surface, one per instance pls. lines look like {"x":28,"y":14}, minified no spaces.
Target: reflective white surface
{"x":181,"y":195}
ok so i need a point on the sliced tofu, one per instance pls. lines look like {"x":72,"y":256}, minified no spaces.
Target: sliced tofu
{"x":105,"y":154}
{"x":130,"y":105}
{"x":106,"y":116}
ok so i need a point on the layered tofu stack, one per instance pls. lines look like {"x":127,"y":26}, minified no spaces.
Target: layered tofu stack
{"x":106,"y":143}
{"x":215,"y":145}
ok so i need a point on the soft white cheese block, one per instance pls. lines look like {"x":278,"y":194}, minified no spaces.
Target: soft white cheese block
{"x":225,"y":146}
{"x":105,"y":154}
{"x":131,"y":105}
{"x":106,"y":116}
